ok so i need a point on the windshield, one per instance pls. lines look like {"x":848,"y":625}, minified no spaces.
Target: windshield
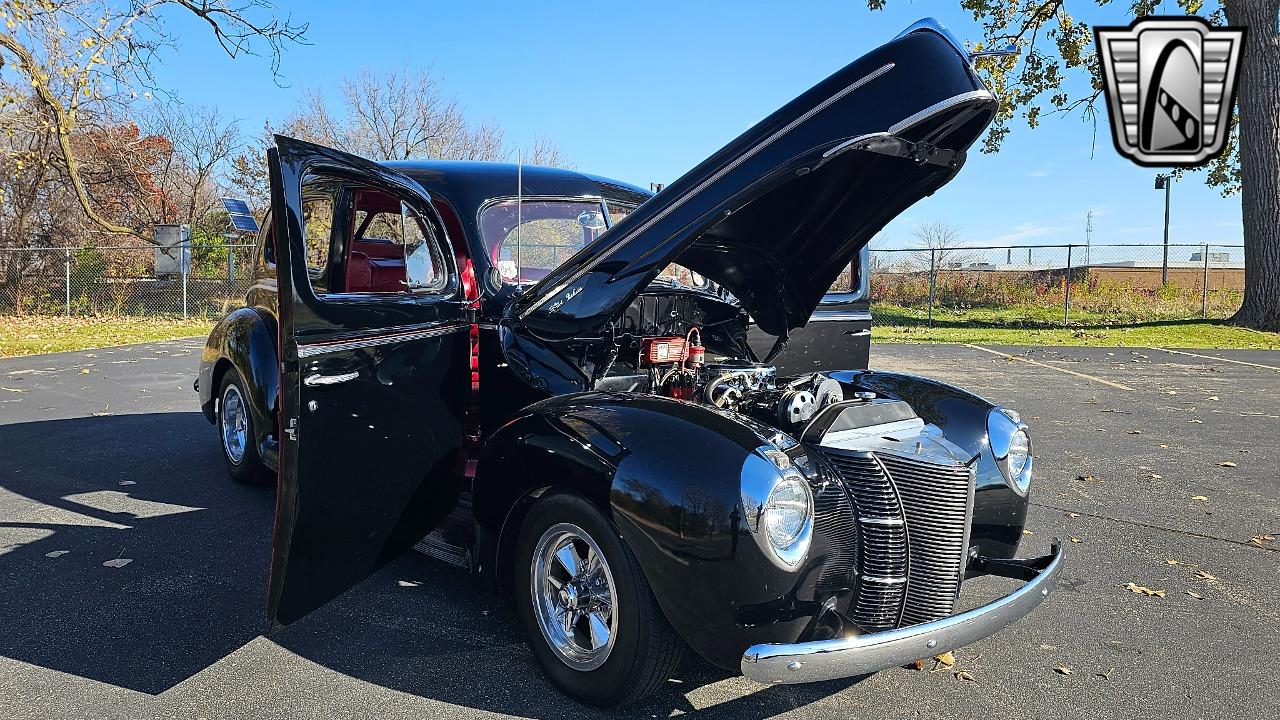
{"x":526,"y":244}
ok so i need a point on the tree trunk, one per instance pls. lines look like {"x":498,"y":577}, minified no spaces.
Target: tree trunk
{"x":1259,"y":98}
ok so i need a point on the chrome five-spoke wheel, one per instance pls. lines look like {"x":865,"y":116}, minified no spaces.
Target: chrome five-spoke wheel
{"x":234,"y":423}
{"x":574,"y":596}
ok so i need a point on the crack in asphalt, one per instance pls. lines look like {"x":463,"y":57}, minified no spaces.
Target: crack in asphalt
{"x":1175,"y":531}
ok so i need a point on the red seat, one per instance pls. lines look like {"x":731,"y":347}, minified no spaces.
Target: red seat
{"x":358,"y":272}
{"x":386,"y":275}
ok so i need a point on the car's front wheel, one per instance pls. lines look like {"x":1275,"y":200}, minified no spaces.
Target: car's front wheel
{"x":235,"y":429}
{"x":593,"y":622}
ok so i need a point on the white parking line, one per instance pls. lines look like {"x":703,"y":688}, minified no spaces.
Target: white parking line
{"x":1029,"y":361}
{"x":1220,"y":359}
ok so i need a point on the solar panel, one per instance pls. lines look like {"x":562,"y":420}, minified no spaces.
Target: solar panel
{"x":244,"y":223}
{"x":236,"y":206}
{"x":240,"y":214}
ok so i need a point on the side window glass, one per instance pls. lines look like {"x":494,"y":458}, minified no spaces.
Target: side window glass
{"x":844,"y":282}
{"x":268,"y":259}
{"x":317,"y":221}
{"x":394,"y":249}
{"x":424,"y":265}
{"x":852,"y":284}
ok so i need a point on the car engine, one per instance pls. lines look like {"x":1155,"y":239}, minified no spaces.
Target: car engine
{"x":678,"y":368}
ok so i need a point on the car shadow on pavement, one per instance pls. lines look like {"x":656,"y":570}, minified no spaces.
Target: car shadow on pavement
{"x":149,"y":489}
{"x":424,"y":628}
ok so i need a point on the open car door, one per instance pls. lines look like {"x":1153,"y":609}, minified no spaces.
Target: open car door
{"x":374,"y":379}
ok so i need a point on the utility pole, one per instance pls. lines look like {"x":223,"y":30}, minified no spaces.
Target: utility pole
{"x":1165,"y":182}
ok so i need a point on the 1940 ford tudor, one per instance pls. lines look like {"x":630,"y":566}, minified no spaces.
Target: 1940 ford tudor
{"x":547,"y":377}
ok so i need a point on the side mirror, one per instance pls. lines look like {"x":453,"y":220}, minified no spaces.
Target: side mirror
{"x":592,"y":220}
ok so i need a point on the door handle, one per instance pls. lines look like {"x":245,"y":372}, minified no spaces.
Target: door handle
{"x":318,"y":380}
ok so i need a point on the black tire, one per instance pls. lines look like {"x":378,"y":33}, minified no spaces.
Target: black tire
{"x":646,"y":650}
{"x":249,"y":468}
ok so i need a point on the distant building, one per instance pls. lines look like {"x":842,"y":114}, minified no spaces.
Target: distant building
{"x":1222,"y":258}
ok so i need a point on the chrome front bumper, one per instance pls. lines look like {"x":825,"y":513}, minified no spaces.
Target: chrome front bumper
{"x":862,"y":654}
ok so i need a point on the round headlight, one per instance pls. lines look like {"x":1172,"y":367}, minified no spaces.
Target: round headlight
{"x":786,"y":513}
{"x":1019,"y":453}
{"x":777,"y":505}
{"x":1011,"y":447}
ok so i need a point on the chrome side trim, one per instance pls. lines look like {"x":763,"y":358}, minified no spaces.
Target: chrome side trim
{"x":821,"y":315}
{"x":730,"y":167}
{"x":940,"y":106}
{"x":842,"y":298}
{"x":314,"y":349}
{"x":860,"y":654}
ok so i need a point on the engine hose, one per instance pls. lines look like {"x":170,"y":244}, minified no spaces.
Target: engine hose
{"x":715,"y":384}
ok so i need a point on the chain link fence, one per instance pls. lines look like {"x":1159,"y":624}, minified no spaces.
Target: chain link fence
{"x":140,"y":280}
{"x":1047,"y":285}
{"x":1042,"y":285}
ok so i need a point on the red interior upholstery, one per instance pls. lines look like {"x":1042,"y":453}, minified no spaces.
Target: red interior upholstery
{"x":357,"y":272}
{"x":374,"y":264}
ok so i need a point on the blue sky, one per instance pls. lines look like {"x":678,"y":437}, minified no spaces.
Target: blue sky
{"x":644,"y":91}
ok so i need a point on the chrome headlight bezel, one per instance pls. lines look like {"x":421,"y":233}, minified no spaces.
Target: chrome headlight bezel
{"x":1006,"y":433}
{"x":766,"y":472}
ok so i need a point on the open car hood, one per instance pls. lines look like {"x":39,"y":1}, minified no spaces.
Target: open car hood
{"x":776,"y":214}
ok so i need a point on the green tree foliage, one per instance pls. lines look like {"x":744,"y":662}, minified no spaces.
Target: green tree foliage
{"x":1055,"y":46}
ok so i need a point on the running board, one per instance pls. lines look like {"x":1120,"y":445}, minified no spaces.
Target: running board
{"x":447,"y":542}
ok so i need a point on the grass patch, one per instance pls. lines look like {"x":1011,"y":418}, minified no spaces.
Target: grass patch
{"x":35,"y":334}
{"x":1016,"y":326}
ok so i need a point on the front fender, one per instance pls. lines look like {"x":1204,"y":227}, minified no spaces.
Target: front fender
{"x":999,"y":513}
{"x":246,"y":340}
{"x":668,"y":474}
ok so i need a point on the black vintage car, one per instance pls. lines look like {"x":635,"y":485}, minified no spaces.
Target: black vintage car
{"x":557,"y":380}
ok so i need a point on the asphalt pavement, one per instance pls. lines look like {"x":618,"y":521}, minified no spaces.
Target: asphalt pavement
{"x":133,"y":572}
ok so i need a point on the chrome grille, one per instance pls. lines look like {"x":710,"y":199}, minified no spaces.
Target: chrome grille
{"x":882,"y":559}
{"x":913,"y":520}
{"x":833,"y":521}
{"x":936,"y":501}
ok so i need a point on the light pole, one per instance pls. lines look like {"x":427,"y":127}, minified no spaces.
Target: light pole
{"x":1165,"y":183}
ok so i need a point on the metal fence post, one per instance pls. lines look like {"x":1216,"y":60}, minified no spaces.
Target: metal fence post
{"x":1066,"y":295}
{"x":933,"y":280}
{"x":186,"y":270}
{"x":1204,"y":286}
{"x":66,"y":266}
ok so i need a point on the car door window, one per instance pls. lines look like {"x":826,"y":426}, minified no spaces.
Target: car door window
{"x":424,"y":263}
{"x":318,"y":204}
{"x":393,"y":248}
